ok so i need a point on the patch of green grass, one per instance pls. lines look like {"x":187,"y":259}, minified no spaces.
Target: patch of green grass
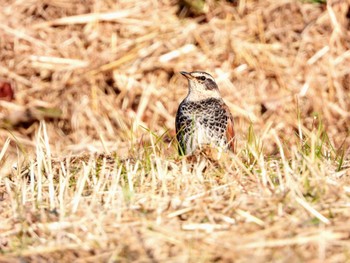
{"x":253,"y":148}
{"x":316,"y":1}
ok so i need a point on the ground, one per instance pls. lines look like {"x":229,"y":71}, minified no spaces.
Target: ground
{"x":89,"y":164}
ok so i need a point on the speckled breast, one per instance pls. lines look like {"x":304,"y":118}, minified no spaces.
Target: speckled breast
{"x":202,"y":122}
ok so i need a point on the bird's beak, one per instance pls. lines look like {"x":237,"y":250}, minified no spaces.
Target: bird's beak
{"x":186,"y":74}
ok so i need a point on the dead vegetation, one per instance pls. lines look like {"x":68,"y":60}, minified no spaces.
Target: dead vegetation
{"x":89,"y":167}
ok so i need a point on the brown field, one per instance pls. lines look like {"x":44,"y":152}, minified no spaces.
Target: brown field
{"x":89,"y":169}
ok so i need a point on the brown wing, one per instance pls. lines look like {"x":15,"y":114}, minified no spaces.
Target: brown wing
{"x":230,"y":133}
{"x":6,"y":91}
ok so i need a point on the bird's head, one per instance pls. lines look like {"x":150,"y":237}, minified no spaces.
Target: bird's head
{"x":201,"y":86}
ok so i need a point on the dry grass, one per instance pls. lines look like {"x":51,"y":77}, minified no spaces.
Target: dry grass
{"x":89,"y":168}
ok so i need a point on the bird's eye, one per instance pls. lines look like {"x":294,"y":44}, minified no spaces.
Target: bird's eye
{"x":202,"y":78}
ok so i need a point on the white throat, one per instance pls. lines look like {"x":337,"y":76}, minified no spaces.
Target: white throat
{"x":198,"y":92}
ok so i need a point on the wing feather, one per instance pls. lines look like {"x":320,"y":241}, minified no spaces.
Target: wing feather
{"x":180,"y":126}
{"x":230,"y":133}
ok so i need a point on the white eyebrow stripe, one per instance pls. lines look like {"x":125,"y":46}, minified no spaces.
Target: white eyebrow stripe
{"x":199,"y":74}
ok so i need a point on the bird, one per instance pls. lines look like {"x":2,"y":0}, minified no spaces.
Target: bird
{"x":202,"y":117}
